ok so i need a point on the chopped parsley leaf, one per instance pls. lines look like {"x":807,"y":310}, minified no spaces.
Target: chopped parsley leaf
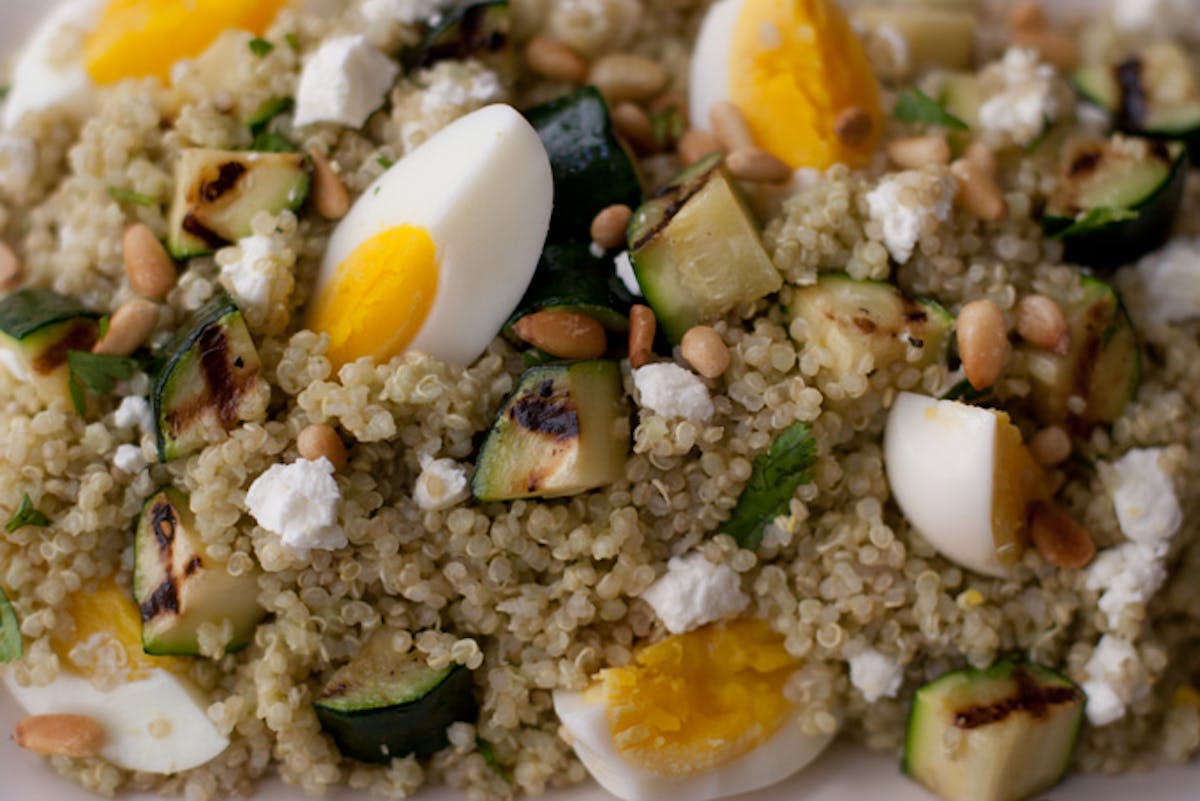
{"x":96,"y":373}
{"x":260,"y":47}
{"x":26,"y":515}
{"x":123,"y":195}
{"x":293,"y":41}
{"x":917,"y":107}
{"x":773,"y":481}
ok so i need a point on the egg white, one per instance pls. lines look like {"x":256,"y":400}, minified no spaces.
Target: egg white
{"x":786,"y":752}
{"x":709,"y":80}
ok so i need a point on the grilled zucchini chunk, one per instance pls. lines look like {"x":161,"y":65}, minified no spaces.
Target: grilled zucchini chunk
{"x":563,"y":431}
{"x":1115,"y":200}
{"x":570,"y":278}
{"x":218,"y":192}
{"x":382,"y":705}
{"x":178,"y":586}
{"x":38,"y":328}
{"x":208,"y":382}
{"x":1001,"y":734}
{"x":696,"y":250}
{"x":467,"y":30}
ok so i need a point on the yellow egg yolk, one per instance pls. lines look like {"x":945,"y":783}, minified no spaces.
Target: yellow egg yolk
{"x":694,"y":701}
{"x":380,"y":296}
{"x":144,"y":38}
{"x":795,"y":67}
{"x":1017,"y":482}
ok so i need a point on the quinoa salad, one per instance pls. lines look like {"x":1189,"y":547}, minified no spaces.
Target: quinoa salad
{"x":498,"y":394}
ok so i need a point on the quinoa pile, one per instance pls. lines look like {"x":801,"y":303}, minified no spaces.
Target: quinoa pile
{"x":539,"y":595}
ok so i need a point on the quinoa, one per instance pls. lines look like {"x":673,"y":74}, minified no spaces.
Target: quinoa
{"x":539,"y":595}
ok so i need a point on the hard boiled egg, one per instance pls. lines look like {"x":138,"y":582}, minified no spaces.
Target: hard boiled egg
{"x":963,"y":478}
{"x":697,"y":716}
{"x":795,"y":69}
{"x":437,"y":253}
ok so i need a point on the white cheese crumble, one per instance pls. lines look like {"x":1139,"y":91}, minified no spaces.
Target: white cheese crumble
{"x":1114,"y":680}
{"x":381,"y":12}
{"x":343,"y":82}
{"x":875,"y":675}
{"x":299,"y":502}
{"x":442,"y":484}
{"x":257,"y":272}
{"x":671,"y":391}
{"x":1144,"y":498}
{"x":1128,"y":575}
{"x":129,"y":459}
{"x":133,"y":412}
{"x":1022,"y":95}
{"x":694,"y":592}
{"x":1170,"y":279}
{"x":623,"y":265}
{"x":909,"y":204}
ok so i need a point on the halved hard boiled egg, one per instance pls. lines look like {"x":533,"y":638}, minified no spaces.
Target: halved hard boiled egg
{"x":437,"y":253}
{"x":797,"y":72}
{"x":154,"y":719}
{"x":963,"y":478}
{"x":696,"y":716}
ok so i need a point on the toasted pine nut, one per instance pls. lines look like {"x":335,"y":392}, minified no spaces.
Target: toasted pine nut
{"x":129,"y":327}
{"x":1026,"y":15}
{"x":982,"y":157}
{"x":1040,"y":322}
{"x":982,"y":342}
{"x":914,"y":152}
{"x":703,"y":348}
{"x":149,"y":268}
{"x":642,"y":325}
{"x":624,"y":76}
{"x":567,"y":335}
{"x":1050,"y":446}
{"x":554,"y":60}
{"x":76,"y":736}
{"x":10,"y":267}
{"x":322,"y":441}
{"x":1054,"y":47}
{"x":978,"y":192}
{"x":632,"y":123}
{"x":329,"y":195}
{"x":757,"y":166}
{"x":853,"y":126}
{"x":1060,"y":540}
{"x":730,"y":128}
{"x":695,"y":144}
{"x":608,"y":228}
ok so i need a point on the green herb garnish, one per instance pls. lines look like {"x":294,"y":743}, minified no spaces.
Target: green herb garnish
{"x":260,"y":47}
{"x":773,"y":481}
{"x":666,"y":126}
{"x":123,"y":195}
{"x":105,"y":322}
{"x":489,"y":756}
{"x":293,"y":41}
{"x":1096,"y":218}
{"x":916,"y":106}
{"x":965,"y":393}
{"x":10,"y":630}
{"x":96,"y":373}
{"x":26,"y":515}
{"x":267,"y":111}
{"x":271,"y":142}
{"x":385,"y":162}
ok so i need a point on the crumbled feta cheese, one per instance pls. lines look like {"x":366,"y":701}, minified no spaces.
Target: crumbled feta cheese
{"x":299,"y":502}
{"x":343,"y":82}
{"x":1171,"y":280}
{"x":1022,"y":95}
{"x":258,"y":274}
{"x":1128,"y":575}
{"x":133,"y":412}
{"x":694,"y":592}
{"x":381,"y":12}
{"x":624,"y":267}
{"x":671,"y":391}
{"x":1114,"y":680}
{"x":909,"y":204}
{"x":442,"y":484}
{"x":1144,"y":498}
{"x":875,"y":675}
{"x":129,"y":459}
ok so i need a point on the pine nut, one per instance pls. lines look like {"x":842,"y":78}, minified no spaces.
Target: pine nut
{"x":915,"y":152}
{"x":1052,"y":46}
{"x":853,"y":126}
{"x":978,"y":192}
{"x":633,"y":124}
{"x":329,"y":195}
{"x":982,"y":157}
{"x":76,"y":736}
{"x":1026,"y":16}
{"x":642,"y":326}
{"x":730,"y":128}
{"x":554,"y":60}
{"x":703,"y":348}
{"x":624,"y":76}
{"x":1040,"y":322}
{"x":1050,"y":446}
{"x":1060,"y":540}
{"x":322,"y":441}
{"x":149,"y":268}
{"x":982,"y":342}
{"x":695,"y":144}
{"x":128,"y":328}
{"x":10,"y":267}
{"x":567,"y":335}
{"x":608,"y":228}
{"x":757,"y":166}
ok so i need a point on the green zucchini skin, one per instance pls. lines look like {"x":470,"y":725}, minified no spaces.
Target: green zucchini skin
{"x":570,"y":278}
{"x":11,"y":646}
{"x":27,"y":311}
{"x":39,"y":328}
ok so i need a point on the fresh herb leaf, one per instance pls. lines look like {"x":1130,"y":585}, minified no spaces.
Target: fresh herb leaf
{"x":271,"y":142}
{"x":916,"y":106}
{"x":267,"y":111}
{"x":96,"y":373}
{"x":10,"y":631}
{"x":260,"y":47}
{"x":26,"y":515}
{"x":293,"y":41}
{"x":489,"y":756}
{"x":123,"y":195}
{"x":666,"y":126}
{"x":385,"y":162}
{"x":965,"y":393}
{"x":1096,"y":218}
{"x":773,"y":481}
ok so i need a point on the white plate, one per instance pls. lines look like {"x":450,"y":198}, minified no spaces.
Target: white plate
{"x":844,"y":774}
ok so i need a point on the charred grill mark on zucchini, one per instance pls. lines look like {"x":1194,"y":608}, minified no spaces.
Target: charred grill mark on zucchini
{"x":1030,"y":697}
{"x":191,"y":224}
{"x":163,"y":524}
{"x":81,"y":336}
{"x":679,"y":195}
{"x":164,"y":598}
{"x":224,"y":386}
{"x":547,"y":413}
{"x":228,"y":176}
{"x":1133,"y":108}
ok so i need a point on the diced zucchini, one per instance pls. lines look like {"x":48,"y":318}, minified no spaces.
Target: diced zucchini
{"x":178,"y":586}
{"x":563,"y":431}
{"x":1102,"y":367}
{"x":933,"y":36}
{"x":1001,"y":734}
{"x":696,"y":250}
{"x":382,"y":705}
{"x":218,"y":192}
{"x":208,"y":382}
{"x":467,"y":30}
{"x":1115,"y":200}
{"x":962,"y":96}
{"x":38,"y":328}
{"x":850,"y":318}
{"x":10,"y":631}
{"x":591,"y":168}
{"x":570,"y":278}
